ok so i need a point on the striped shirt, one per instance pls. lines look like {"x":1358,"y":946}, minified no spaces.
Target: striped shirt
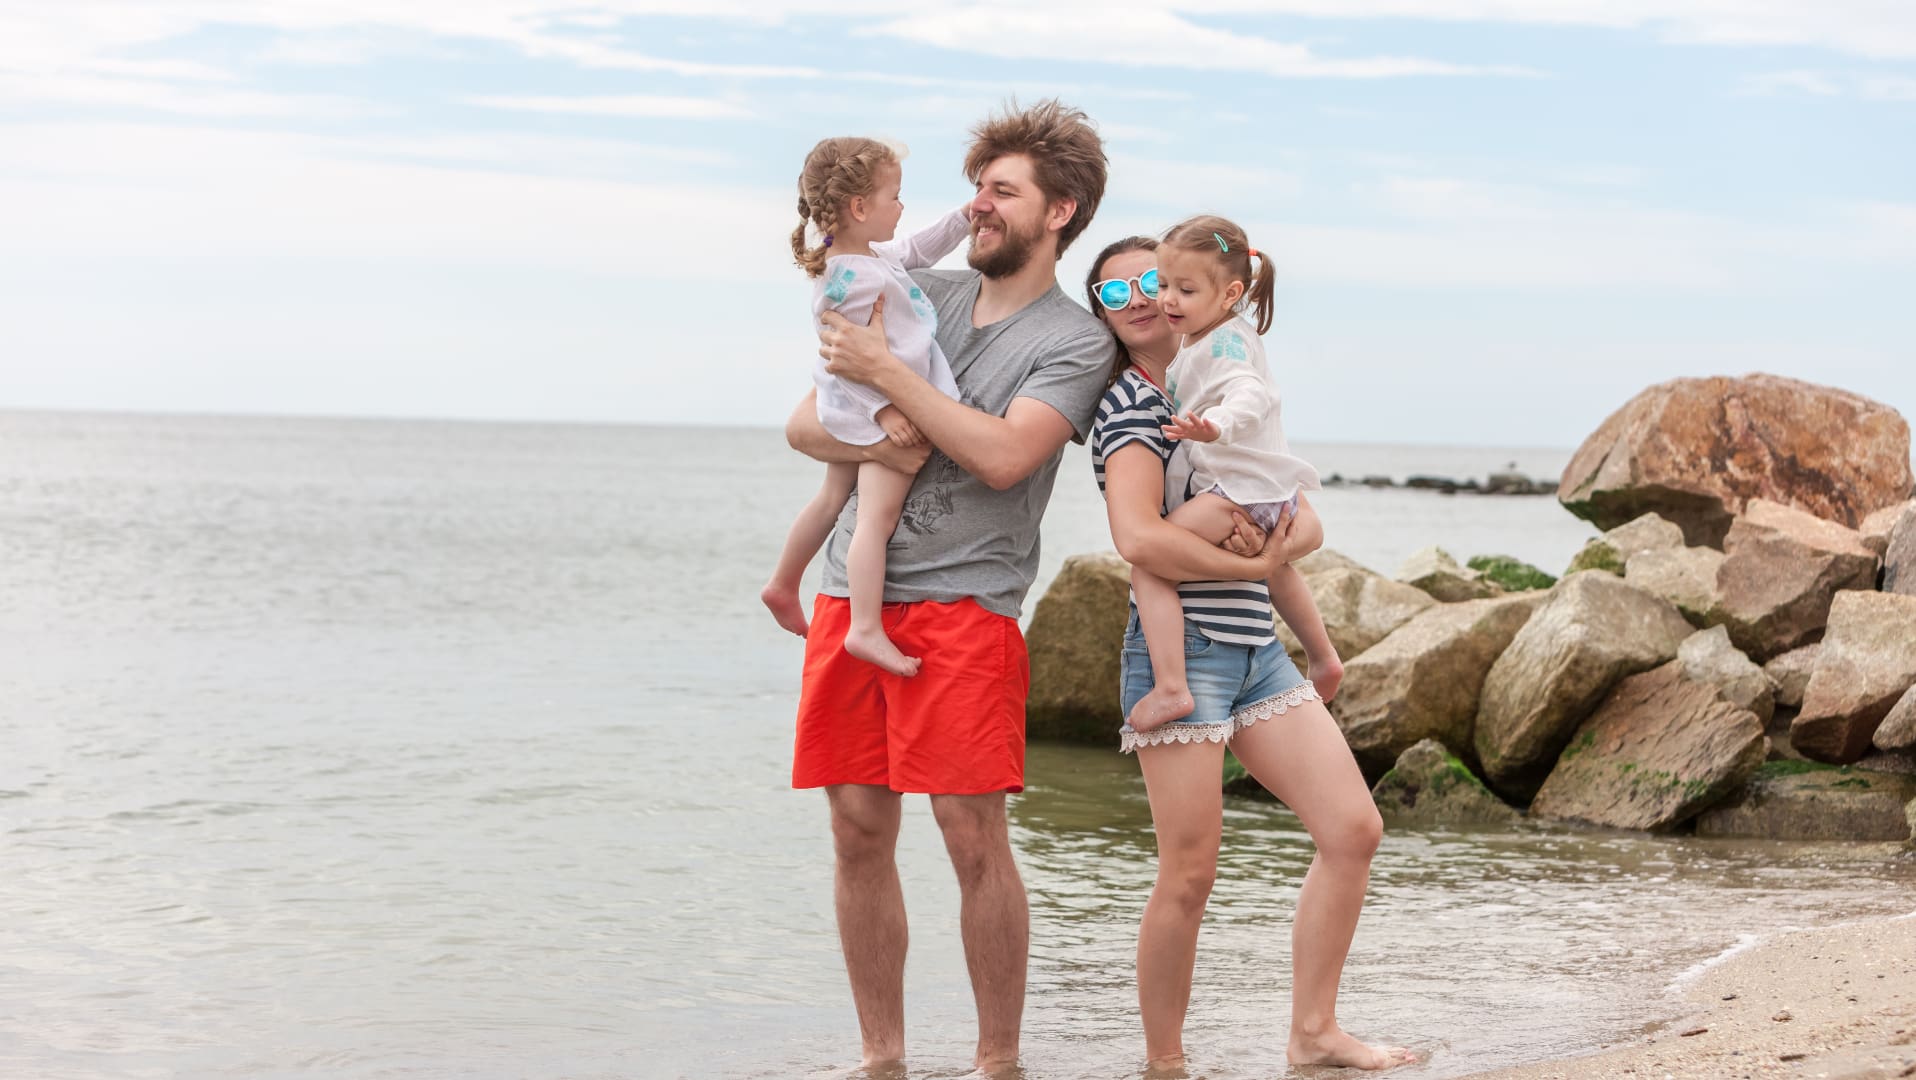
{"x":1134,"y":411}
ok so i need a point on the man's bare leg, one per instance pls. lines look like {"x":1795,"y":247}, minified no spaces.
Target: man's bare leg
{"x":871,"y":913}
{"x":993,"y":918}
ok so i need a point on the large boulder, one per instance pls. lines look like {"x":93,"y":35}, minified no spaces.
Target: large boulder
{"x":1429,"y":785}
{"x":1877,"y":528}
{"x":1612,"y":550}
{"x":1434,"y":571}
{"x":1697,"y":450}
{"x":1790,"y":673}
{"x":1708,"y":657}
{"x":1509,"y":573}
{"x":1789,"y":800}
{"x":1897,"y":733}
{"x":1780,"y":571}
{"x":1591,"y":631}
{"x":1076,"y":635}
{"x":1359,"y":605}
{"x":1685,"y":576}
{"x":1423,"y":680}
{"x":1899,"y":556}
{"x":1868,"y":661}
{"x":1660,"y":749}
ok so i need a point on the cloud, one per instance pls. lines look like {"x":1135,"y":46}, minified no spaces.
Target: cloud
{"x":1824,"y":84}
{"x":652,"y":107}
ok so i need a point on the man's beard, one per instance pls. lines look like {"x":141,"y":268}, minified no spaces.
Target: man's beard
{"x":1013,"y":252}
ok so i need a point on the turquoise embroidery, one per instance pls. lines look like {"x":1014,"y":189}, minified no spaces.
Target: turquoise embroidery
{"x":839,"y":285}
{"x":1171,"y":387}
{"x":1229,"y":344}
{"x":922,"y":305}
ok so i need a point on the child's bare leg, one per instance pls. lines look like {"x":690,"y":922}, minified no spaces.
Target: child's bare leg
{"x":1292,"y":599}
{"x":1161,"y":617}
{"x":808,"y":533}
{"x":881,"y":497}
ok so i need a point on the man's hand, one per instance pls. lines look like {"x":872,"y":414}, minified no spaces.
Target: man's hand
{"x":904,"y":459}
{"x":855,"y":352}
{"x":898,"y":429}
{"x":1191,"y":426}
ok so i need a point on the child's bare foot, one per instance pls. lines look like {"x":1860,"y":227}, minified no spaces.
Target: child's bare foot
{"x":1159,"y":707}
{"x":785,"y":608}
{"x":1335,"y":1047}
{"x":1325,"y":673}
{"x":875,"y":648}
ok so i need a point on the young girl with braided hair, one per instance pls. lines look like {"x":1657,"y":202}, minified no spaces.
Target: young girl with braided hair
{"x":1208,"y":275}
{"x":848,"y":191}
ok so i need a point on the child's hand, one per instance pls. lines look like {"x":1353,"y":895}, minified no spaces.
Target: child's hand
{"x":1191,"y":426}
{"x":898,"y":429}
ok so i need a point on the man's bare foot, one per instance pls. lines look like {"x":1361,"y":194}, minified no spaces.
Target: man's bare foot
{"x":786,"y":608}
{"x":1159,"y":707}
{"x":875,"y":648}
{"x":1326,"y":674}
{"x":1335,"y":1047}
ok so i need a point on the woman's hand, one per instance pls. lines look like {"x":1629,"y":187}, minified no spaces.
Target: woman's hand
{"x":1246,"y":538}
{"x":855,"y":352}
{"x":1191,"y":426}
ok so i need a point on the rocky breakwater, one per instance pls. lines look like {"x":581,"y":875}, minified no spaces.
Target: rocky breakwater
{"x":1736,"y":654}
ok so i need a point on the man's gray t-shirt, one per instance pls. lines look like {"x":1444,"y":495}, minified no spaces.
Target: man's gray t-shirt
{"x":957,"y":537}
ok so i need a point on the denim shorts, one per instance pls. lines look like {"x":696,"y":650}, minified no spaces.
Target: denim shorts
{"x":1234,"y":687}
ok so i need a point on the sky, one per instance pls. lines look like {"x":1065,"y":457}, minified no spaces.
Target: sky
{"x":1494,"y":221}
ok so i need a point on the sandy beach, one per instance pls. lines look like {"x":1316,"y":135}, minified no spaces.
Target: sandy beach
{"x":1837,"y":1003}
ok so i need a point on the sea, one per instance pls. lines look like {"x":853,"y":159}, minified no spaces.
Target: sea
{"x":416,"y":749}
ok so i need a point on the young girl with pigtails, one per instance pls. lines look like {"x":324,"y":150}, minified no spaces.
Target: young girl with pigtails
{"x":1228,"y":409}
{"x":848,"y":192}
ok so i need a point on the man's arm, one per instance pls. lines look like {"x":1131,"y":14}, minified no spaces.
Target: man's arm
{"x":806,"y":435}
{"x":1000,"y":450}
{"x":1134,"y":493}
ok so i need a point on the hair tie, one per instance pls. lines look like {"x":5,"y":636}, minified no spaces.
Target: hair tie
{"x":1253,"y":253}
{"x":828,"y":239}
{"x":1221,"y":245}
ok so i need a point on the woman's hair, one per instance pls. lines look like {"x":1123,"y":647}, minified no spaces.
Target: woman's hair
{"x":835,"y":172}
{"x":1067,"y":156}
{"x":1225,"y":243}
{"x":1095,"y":275}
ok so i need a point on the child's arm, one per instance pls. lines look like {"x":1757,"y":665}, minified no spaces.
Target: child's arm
{"x":926,"y":246}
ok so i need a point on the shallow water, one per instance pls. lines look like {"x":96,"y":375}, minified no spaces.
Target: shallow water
{"x":356,"y":749}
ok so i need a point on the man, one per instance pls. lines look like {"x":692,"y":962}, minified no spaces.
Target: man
{"x":1030,"y":365}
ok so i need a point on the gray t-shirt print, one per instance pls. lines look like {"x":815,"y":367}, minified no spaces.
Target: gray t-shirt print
{"x":957,"y":537}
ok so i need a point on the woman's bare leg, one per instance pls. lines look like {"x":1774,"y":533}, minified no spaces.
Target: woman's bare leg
{"x":809,"y":531}
{"x":1187,"y":813}
{"x":881,"y":498}
{"x":1161,"y":617}
{"x":1301,"y":757}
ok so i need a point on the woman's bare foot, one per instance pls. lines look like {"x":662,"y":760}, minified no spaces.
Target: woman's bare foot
{"x":874,"y":647}
{"x":1325,"y":673}
{"x":1159,"y":707}
{"x":1335,"y":1047}
{"x":786,"y":608}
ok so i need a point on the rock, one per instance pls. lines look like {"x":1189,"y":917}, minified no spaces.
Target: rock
{"x":1868,"y":661}
{"x":1877,"y":527}
{"x":1790,"y":673}
{"x":1708,"y":657}
{"x":1897,"y":732}
{"x":1780,"y":570}
{"x":1435,"y":572}
{"x":1899,"y":556}
{"x":1685,"y":576}
{"x":1789,"y":800}
{"x":1076,"y":635}
{"x":1359,"y":605}
{"x":1612,"y":550}
{"x":1428,"y":785}
{"x":1591,"y":631}
{"x":1423,"y":680}
{"x":1697,"y":450}
{"x":1661,"y":749}
{"x":1509,"y":574}
{"x":1510,"y":482}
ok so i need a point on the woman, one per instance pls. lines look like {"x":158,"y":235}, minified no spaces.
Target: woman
{"x":1248,"y":691}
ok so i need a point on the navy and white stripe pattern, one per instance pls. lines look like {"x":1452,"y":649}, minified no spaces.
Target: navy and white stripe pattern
{"x":1133,"y":410}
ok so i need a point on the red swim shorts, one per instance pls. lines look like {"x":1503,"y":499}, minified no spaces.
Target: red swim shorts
{"x":955,"y":728}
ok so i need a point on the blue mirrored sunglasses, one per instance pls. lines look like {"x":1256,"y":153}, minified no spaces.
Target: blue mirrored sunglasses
{"x":1115,"y":293}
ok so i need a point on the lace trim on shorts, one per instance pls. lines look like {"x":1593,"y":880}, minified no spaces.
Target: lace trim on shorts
{"x":1273,"y":706}
{"x":1173,"y":732}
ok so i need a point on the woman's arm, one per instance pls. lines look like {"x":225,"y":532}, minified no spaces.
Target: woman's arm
{"x":1134,"y":493}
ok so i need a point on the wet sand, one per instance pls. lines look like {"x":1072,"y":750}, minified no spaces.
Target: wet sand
{"x":1832,"y":1004}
